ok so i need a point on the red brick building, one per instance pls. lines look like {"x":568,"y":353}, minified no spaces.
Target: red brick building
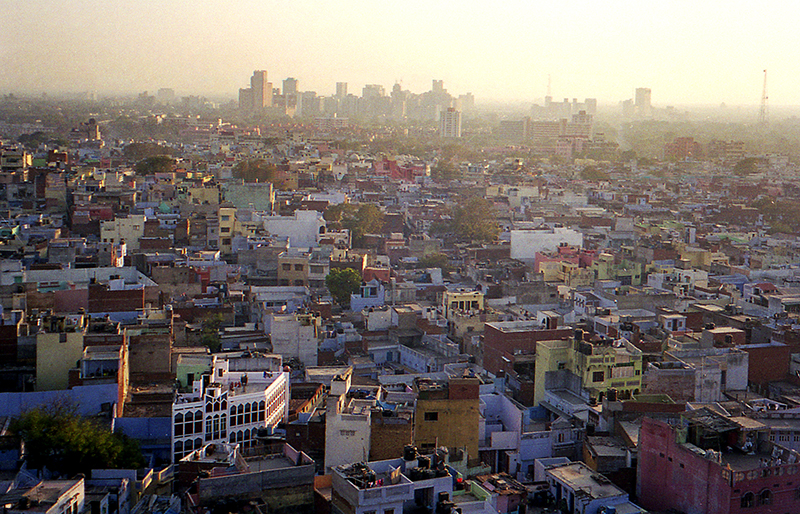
{"x":505,"y":339}
{"x":705,"y":463}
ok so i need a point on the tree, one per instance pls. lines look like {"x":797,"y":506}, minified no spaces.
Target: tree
{"x":444,"y":171}
{"x":69,"y":444}
{"x":746,"y":166}
{"x":157,"y":164}
{"x":475,"y":219}
{"x":593,"y":174}
{"x":436,"y":260}
{"x":342,"y":283}
{"x":141,"y":151}
{"x":359,"y":219}
{"x":209,"y":331}
{"x":255,"y":170}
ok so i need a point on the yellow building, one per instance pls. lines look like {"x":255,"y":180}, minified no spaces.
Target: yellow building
{"x":461,"y":301}
{"x":550,"y":270}
{"x":127,"y":229}
{"x":59,"y":348}
{"x":227,"y":228}
{"x":293,"y":268}
{"x":447,"y":414}
{"x":601,"y":366}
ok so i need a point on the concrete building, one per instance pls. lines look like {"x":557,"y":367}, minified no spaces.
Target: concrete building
{"x":577,"y":488}
{"x":296,"y":336}
{"x":447,"y":414}
{"x":47,"y":497}
{"x":461,"y":302}
{"x":228,"y":403}
{"x":302,"y":228}
{"x":126,"y":229}
{"x":526,"y":243}
{"x":390,"y":486}
{"x":450,"y":123}
{"x":711,"y":464}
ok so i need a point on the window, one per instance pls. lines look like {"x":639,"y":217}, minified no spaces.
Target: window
{"x":765,"y":497}
{"x":347,"y":433}
{"x":748,"y":500}
{"x":298,"y":267}
{"x":286,"y":267}
{"x":598,"y":376}
{"x":431,"y":416}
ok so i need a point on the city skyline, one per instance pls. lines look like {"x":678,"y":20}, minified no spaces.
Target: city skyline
{"x":507,"y":52}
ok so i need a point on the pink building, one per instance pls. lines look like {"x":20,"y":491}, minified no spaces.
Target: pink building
{"x":706,"y":463}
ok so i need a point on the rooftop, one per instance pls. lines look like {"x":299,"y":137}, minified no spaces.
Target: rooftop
{"x":581,"y":478}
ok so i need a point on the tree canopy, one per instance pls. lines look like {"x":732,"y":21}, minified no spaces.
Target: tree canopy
{"x":746,"y":166}
{"x":444,"y":171}
{"x":69,"y":444}
{"x":156,"y":164}
{"x":255,"y":170}
{"x":593,"y":174}
{"x":342,"y":283}
{"x":359,"y":219}
{"x":141,"y":151}
{"x":474,"y":219}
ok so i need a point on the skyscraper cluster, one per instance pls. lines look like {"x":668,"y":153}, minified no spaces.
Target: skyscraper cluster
{"x":435,"y":105}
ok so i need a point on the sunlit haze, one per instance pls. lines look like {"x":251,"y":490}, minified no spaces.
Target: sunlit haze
{"x":686,"y":52}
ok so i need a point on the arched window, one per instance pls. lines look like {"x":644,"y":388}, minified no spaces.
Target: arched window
{"x":198,"y":422}
{"x":178,"y":449}
{"x":232,"y":437}
{"x":178,"y":424}
{"x":748,"y":500}
{"x":247,"y":413}
{"x":198,"y":443}
{"x":209,"y":407}
{"x":262,"y":408}
{"x":224,"y":404}
{"x":209,"y":428}
{"x":189,"y":420}
{"x":765,"y":497}
{"x":216,"y":405}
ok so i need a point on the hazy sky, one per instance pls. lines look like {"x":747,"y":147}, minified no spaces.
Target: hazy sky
{"x":699,"y":51}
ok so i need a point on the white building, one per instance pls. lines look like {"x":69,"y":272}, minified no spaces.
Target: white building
{"x":296,"y":336}
{"x":392,"y":486}
{"x":579,"y":489}
{"x":227,"y":405}
{"x":525,"y":243}
{"x":126,"y":229}
{"x":450,"y":123}
{"x":302,"y":228}
{"x":347,"y":423}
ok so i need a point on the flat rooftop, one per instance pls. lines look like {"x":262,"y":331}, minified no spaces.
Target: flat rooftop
{"x":581,"y":477}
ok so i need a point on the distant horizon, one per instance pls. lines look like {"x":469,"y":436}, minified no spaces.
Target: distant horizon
{"x":479,"y":101}
{"x":687,"y":53}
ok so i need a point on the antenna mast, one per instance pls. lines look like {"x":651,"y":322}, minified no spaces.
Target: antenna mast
{"x":763,"y":114}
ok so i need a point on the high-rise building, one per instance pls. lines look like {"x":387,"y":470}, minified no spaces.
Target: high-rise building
{"x":259,"y":95}
{"x":262,"y":90}
{"x":450,"y":123}
{"x":642,"y":101}
{"x":341,"y":89}
{"x":289,"y":86}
